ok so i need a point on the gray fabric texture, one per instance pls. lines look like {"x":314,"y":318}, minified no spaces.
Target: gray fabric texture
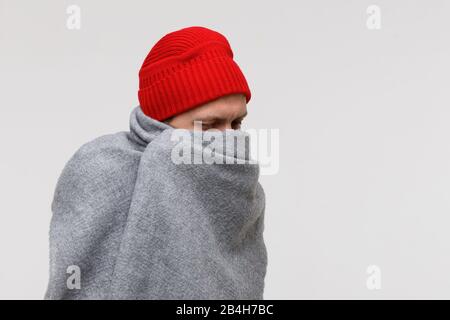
{"x":140,"y":226}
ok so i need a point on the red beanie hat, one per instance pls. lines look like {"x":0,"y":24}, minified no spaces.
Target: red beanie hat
{"x":187,"y":68}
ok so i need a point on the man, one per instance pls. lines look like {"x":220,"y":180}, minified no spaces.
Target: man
{"x":130,"y":222}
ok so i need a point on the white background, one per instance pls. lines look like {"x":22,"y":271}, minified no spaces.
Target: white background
{"x":363,"y":116}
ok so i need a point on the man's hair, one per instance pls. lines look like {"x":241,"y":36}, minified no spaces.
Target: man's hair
{"x":168,"y":120}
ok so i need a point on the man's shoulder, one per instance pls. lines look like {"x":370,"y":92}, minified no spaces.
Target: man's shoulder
{"x":103,"y":153}
{"x":106,"y":144}
{"x":104,"y":162}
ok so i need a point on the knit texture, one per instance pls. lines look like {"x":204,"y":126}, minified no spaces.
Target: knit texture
{"x":187,"y":68}
{"x":139,"y":226}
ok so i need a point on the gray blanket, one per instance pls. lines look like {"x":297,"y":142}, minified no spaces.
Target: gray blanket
{"x":129,"y":222}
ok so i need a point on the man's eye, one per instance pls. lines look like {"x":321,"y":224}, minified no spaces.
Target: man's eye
{"x":207,"y":126}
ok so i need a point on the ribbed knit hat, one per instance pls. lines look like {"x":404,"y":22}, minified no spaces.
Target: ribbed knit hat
{"x":187,"y":68}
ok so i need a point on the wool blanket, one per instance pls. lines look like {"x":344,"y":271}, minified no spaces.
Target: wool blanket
{"x":134,"y":218}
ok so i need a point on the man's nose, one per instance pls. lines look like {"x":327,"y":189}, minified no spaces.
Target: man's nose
{"x":228,"y":125}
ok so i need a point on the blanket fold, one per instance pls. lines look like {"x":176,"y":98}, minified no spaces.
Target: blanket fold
{"x":139,"y":224}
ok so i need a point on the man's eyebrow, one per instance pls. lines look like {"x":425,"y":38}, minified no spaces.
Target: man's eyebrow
{"x":208,"y":118}
{"x":217,"y":118}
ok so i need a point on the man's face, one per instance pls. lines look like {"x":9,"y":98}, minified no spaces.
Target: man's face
{"x":226,"y":112}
